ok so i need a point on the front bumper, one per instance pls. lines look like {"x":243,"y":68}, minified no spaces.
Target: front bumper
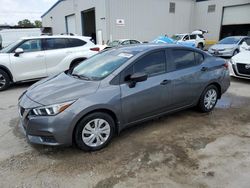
{"x":234,"y":72}
{"x":46,"y":130}
{"x":225,"y":53}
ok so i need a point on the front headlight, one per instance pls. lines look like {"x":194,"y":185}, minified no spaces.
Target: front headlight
{"x":232,"y":61}
{"x":51,"y":110}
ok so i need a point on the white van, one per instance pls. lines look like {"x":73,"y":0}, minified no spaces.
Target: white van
{"x":12,"y":35}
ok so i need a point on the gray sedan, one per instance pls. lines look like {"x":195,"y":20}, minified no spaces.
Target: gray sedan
{"x":228,"y":46}
{"x":118,"y":88}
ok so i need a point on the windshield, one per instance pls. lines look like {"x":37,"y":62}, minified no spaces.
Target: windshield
{"x":100,"y":65}
{"x":10,"y":46}
{"x":229,"y":40}
{"x":177,"y":37}
{"x":114,"y":43}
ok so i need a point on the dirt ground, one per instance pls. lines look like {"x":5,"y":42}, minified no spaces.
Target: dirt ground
{"x":186,"y":149}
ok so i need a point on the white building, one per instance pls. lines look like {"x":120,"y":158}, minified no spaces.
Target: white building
{"x":146,"y":19}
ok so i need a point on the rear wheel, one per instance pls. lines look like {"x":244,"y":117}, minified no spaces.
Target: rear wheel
{"x":4,"y":80}
{"x":94,"y":131}
{"x":208,"y":99}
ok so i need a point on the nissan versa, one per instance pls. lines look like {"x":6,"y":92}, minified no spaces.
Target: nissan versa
{"x":97,"y":99}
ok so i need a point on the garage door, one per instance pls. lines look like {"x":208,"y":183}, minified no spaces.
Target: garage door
{"x":236,"y":15}
{"x":71,"y":24}
{"x":236,"y":21}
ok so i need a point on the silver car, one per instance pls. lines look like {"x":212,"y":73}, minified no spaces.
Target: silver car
{"x":118,"y":88}
{"x":228,"y":46}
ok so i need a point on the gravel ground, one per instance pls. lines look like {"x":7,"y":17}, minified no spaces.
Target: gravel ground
{"x":186,"y":149}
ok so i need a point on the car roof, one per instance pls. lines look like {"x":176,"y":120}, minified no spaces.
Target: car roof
{"x":55,"y":36}
{"x":137,"y":48}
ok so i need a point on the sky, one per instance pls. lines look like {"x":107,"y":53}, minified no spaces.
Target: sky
{"x":12,"y":11}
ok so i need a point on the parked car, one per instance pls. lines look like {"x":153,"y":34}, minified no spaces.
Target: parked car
{"x":197,"y":40}
{"x":10,"y":36}
{"x":117,"y":88}
{"x":122,"y":42}
{"x":38,"y":57}
{"x":229,"y":46}
{"x":240,"y":65}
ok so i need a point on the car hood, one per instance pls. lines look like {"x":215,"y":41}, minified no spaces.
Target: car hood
{"x":242,"y":57}
{"x":60,"y":88}
{"x":222,"y":46}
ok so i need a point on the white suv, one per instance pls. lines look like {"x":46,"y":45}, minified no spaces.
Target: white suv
{"x":197,"y":39}
{"x":34,"y":58}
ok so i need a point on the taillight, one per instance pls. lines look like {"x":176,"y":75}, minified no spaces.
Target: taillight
{"x":96,"y":49}
{"x":225,"y":65}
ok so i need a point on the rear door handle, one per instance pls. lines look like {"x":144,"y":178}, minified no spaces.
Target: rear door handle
{"x":165,"y":82}
{"x":204,"y":68}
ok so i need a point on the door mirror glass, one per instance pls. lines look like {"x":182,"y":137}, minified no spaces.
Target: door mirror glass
{"x":18,"y":51}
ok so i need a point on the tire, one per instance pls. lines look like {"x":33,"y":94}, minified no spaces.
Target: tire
{"x":208,"y":99}
{"x":200,"y":46}
{"x":4,"y":80}
{"x":94,"y":131}
{"x":235,"y":52}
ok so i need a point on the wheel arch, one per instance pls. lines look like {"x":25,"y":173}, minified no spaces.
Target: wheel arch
{"x":7,"y":71}
{"x":103,"y":110}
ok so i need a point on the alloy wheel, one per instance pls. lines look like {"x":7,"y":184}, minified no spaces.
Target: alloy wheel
{"x":2,"y":81}
{"x":210,"y":99}
{"x":96,"y":132}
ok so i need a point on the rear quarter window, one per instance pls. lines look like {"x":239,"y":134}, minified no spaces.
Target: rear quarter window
{"x":75,"y":43}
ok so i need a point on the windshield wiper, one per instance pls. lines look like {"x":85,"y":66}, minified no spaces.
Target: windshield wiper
{"x":83,"y":77}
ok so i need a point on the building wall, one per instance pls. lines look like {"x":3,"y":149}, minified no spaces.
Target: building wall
{"x":147,"y":19}
{"x":212,"y":21}
{"x":56,"y":17}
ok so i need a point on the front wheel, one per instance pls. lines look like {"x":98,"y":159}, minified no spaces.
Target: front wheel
{"x":94,"y":131}
{"x":4,"y":80}
{"x":208,"y":99}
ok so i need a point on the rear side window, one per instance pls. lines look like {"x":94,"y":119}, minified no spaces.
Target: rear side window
{"x":201,"y":36}
{"x":183,"y":59}
{"x":199,"y":58}
{"x":154,"y":63}
{"x":55,"y":43}
{"x":192,"y":37}
{"x":75,"y":43}
{"x":134,"y":42}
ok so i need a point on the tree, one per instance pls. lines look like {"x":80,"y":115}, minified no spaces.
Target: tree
{"x":38,"y":23}
{"x":25,"y":23}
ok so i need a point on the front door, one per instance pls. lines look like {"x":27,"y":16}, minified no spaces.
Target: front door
{"x":149,"y":97}
{"x":31,"y":63}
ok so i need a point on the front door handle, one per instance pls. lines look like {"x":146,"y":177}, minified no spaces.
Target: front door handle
{"x":204,"y":69}
{"x":165,"y":82}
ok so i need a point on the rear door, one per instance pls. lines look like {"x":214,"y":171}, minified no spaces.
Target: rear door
{"x":31,"y":63}
{"x":186,"y":73}
{"x":149,"y":97}
{"x":55,"y":51}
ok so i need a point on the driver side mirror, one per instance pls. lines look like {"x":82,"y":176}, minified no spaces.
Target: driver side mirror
{"x":137,"y":77}
{"x":18,"y":51}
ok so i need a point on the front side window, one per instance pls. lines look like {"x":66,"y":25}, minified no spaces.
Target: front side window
{"x":31,"y":45}
{"x":126,"y":42}
{"x":55,"y":43}
{"x":134,"y":42}
{"x":192,"y":37}
{"x":186,"y":38}
{"x":183,"y":59}
{"x":154,"y":63}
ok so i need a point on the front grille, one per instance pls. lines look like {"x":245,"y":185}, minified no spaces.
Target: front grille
{"x":243,"y":69}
